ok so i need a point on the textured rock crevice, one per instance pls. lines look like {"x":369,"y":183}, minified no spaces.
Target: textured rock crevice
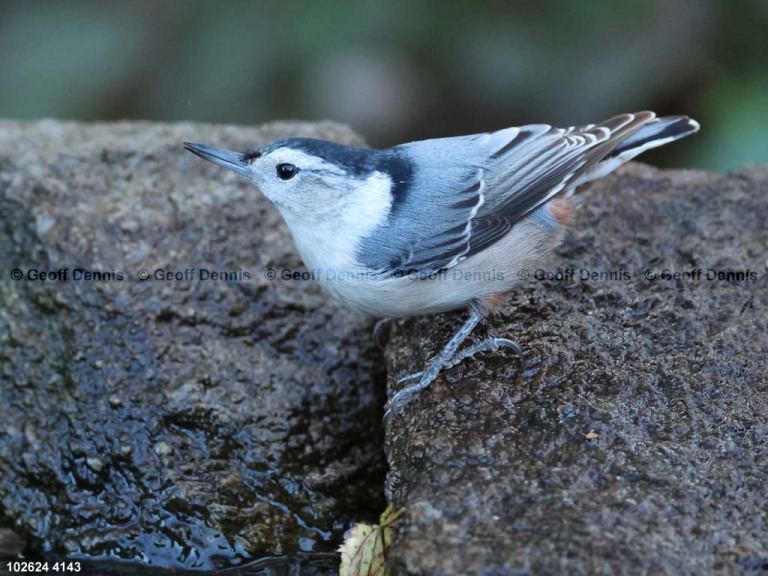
{"x":187,"y":422}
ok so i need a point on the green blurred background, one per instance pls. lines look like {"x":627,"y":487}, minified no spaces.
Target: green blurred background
{"x":398,"y":70}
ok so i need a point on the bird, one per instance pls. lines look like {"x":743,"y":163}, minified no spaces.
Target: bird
{"x":440,"y":224}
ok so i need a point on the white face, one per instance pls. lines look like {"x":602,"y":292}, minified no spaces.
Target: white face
{"x":299,"y":183}
{"x":327,"y":209}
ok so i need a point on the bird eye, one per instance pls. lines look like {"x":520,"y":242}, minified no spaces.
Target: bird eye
{"x":286,"y":171}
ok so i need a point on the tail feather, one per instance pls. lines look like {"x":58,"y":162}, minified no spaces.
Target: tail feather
{"x":656,"y":133}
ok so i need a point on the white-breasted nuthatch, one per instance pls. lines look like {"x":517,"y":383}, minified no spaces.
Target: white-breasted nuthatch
{"x":439,"y":224}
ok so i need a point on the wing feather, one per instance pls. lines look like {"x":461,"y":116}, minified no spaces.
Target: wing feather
{"x":468,"y":192}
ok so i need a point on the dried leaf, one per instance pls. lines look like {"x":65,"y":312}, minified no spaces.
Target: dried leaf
{"x":365,"y":546}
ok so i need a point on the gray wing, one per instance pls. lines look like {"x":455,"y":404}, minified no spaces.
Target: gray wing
{"x":468,"y":192}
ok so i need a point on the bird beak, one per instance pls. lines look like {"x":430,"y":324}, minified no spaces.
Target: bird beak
{"x":226,"y":158}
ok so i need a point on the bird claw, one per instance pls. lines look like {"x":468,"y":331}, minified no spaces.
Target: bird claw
{"x":413,"y":376}
{"x":489,"y":345}
{"x":507,"y":343}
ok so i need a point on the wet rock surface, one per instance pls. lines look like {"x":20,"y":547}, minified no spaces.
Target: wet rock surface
{"x":191,"y":422}
{"x":632,"y":438}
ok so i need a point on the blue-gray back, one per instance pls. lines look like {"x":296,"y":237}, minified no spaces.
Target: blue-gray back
{"x":467,"y":192}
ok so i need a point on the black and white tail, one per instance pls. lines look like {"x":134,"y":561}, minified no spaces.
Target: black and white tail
{"x":630,"y":138}
{"x":657,"y":132}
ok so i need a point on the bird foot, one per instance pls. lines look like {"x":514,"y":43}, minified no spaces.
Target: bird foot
{"x":403,"y":397}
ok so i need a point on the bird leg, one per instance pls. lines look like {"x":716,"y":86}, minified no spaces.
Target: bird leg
{"x":379,"y":329}
{"x":447,"y":358}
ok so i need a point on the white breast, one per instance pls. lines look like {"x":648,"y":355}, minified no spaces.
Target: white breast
{"x":328,"y":245}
